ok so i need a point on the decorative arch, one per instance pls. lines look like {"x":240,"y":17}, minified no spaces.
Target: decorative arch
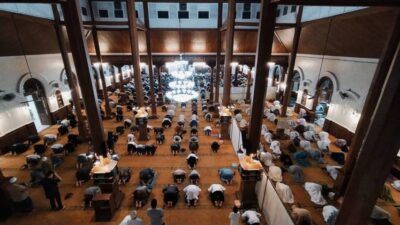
{"x":20,"y":84}
{"x":332,"y":77}
{"x":300,"y":71}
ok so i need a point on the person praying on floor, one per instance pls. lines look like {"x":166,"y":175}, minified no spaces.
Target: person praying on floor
{"x":226,"y":175}
{"x":266,"y":158}
{"x":171,"y":195}
{"x":301,"y":216}
{"x":177,"y":139}
{"x":146,"y":175}
{"x":131,"y":138}
{"x":193,"y":123}
{"x":194,"y":144}
{"x":276,"y":150}
{"x":19,"y":196}
{"x":217,"y":194}
{"x":175,"y":148}
{"x":191,"y":160}
{"x":141,"y":195}
{"x":192,"y":193}
{"x":208,"y":117}
{"x":251,"y":217}
{"x":166,"y":123}
{"x":207,"y":130}
{"x":215,"y":146}
{"x":194,"y":177}
{"x":89,"y":194}
{"x":179,"y":175}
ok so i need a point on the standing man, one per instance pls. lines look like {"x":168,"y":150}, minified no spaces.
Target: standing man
{"x":50,"y":187}
{"x":156,"y":214}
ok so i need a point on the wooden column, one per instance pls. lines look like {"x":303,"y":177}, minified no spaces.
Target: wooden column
{"x":368,"y":109}
{"x":293,"y":54}
{"x":150,"y":60}
{"x":378,"y":151}
{"x":230,"y":26}
{"x":100,"y":61}
{"x":248,"y":89}
{"x":70,"y":75}
{"x":72,"y":17}
{"x":133,"y":34}
{"x":263,"y":56}
{"x":211,"y":98}
{"x":218,"y":58}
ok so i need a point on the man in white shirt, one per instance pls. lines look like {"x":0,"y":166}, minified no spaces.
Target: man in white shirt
{"x":251,"y":217}
{"x":192,"y":194}
{"x":217,"y":194}
{"x":207,"y":130}
{"x":131,"y":219}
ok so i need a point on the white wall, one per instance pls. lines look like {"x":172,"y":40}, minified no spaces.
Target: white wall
{"x":351,"y":73}
{"x":46,"y":68}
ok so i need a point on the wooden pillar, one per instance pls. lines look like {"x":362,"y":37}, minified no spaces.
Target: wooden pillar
{"x":378,"y":151}
{"x":211,"y":98}
{"x":70,"y":75}
{"x":218,"y":57}
{"x":150,"y":61}
{"x":100,"y":61}
{"x":230,"y":26}
{"x":293,"y":54}
{"x":72,"y":17}
{"x":368,"y":109}
{"x":133,"y":34}
{"x":248,"y":89}
{"x":263,"y":56}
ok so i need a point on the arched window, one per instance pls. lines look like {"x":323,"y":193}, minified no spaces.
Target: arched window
{"x":325,"y":90}
{"x":323,"y":96}
{"x":34,"y":88}
{"x":296,"y":81}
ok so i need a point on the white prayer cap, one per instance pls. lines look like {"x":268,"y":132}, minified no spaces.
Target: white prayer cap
{"x":13,"y":180}
{"x":277,"y":103}
{"x":44,"y":159}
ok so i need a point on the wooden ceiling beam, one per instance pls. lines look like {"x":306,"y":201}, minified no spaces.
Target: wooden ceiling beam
{"x":338,"y":2}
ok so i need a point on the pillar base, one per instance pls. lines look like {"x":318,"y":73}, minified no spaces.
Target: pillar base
{"x":142,"y":124}
{"x":247,"y":190}
{"x":225,"y":124}
{"x":152,"y":117}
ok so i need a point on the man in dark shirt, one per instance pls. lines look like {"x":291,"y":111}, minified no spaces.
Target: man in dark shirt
{"x":50,"y":187}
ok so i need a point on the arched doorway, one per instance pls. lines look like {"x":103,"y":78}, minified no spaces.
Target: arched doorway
{"x":35,"y":95}
{"x":295,"y":88}
{"x":323,"y":96}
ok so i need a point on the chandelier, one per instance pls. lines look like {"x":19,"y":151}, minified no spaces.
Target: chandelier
{"x":182,"y":88}
{"x":181,"y":84}
{"x":182,"y":95}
